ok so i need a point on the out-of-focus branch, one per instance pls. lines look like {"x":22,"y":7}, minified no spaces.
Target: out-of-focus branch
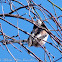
{"x":30,"y":52}
{"x":55,"y":5}
{"x":52,"y":35}
{"x":47,"y":17}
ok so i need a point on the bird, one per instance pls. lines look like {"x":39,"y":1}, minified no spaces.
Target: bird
{"x":40,"y":35}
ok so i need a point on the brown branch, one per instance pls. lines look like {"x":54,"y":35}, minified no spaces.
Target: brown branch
{"x":18,"y":9}
{"x":1,"y":46}
{"x":30,"y":52}
{"x":14,"y":46}
{"x":7,"y":36}
{"x":10,"y":53}
{"x":54,"y":46}
{"x":53,"y":18}
{"x":52,"y":35}
{"x":25,"y":33}
{"x":58,"y":59}
{"x":42,"y":9}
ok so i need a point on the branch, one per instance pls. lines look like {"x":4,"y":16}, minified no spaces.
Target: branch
{"x":52,"y":35}
{"x":55,"y":5}
{"x":30,"y":52}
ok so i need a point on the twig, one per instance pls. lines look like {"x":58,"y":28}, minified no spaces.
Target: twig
{"x":31,"y":53}
{"x":55,"y":5}
{"x":58,"y":59}
{"x":1,"y":46}
{"x":15,"y":47}
{"x":10,"y":53}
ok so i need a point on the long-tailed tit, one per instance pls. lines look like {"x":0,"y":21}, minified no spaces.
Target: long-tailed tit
{"x":38,"y":33}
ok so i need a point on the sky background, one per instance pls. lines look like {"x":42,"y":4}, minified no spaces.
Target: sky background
{"x":10,"y":31}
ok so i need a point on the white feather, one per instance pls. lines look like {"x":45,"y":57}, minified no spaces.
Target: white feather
{"x":39,"y":22}
{"x":45,"y":39}
{"x":39,"y":35}
{"x":42,"y":42}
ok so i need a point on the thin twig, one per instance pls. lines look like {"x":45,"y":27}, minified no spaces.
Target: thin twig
{"x":10,"y":53}
{"x":31,"y":53}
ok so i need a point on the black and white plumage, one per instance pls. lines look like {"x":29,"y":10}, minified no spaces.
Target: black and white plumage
{"x":40,"y":34}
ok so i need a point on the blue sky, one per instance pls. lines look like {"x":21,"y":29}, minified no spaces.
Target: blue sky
{"x":10,"y":31}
